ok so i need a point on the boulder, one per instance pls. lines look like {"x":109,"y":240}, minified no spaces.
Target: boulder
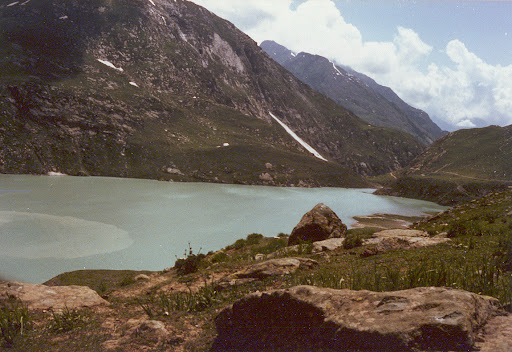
{"x":403,"y":239}
{"x":55,"y":297}
{"x":308,"y":318}
{"x":319,"y":224}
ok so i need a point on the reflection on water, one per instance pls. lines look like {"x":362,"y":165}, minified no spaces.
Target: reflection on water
{"x":49,"y":225}
{"x":35,"y":236}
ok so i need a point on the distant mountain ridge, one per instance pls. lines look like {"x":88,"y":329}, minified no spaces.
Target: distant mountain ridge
{"x":165,"y":89}
{"x":370,"y":101}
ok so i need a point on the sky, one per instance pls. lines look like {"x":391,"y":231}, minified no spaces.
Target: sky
{"x":452,"y":59}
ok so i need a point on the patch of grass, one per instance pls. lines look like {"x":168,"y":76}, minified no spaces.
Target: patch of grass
{"x":206,"y":298}
{"x":481,"y":276}
{"x":67,"y":320}
{"x":14,"y":321}
{"x":101,"y":281}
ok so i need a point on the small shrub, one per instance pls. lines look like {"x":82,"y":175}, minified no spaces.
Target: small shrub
{"x":67,"y":320}
{"x":240,"y":243}
{"x":14,"y":320}
{"x":190,"y":264}
{"x":253,"y":238}
{"x":352,"y":241}
{"x":219,"y":257}
{"x":273,"y":245}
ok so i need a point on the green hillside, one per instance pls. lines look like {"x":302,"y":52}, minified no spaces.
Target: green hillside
{"x":460,"y":166}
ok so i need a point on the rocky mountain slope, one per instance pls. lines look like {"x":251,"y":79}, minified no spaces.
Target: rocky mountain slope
{"x":369,"y":100}
{"x":459,"y":166}
{"x":165,"y":89}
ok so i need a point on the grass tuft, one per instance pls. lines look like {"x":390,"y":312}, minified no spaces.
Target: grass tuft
{"x":14,"y":321}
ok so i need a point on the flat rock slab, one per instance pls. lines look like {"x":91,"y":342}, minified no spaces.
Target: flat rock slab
{"x":271,"y":267}
{"x":56,"y":297}
{"x":330,"y":244}
{"x":308,"y":318}
{"x":403,"y":239}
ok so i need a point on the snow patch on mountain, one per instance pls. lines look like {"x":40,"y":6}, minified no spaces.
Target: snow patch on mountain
{"x":298,"y":139}
{"x":111,"y":65}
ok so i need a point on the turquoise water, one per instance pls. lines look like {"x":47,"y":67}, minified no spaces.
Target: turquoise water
{"x":54,"y":224}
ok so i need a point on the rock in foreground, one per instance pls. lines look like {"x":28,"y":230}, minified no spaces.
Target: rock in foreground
{"x":56,"y":297}
{"x":307,"y":318}
{"x":319,"y":224}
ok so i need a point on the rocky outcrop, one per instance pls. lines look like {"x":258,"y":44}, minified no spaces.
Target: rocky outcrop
{"x":307,"y":318}
{"x":319,"y":224}
{"x":272,"y":267}
{"x":402,"y":239}
{"x":56,"y":297}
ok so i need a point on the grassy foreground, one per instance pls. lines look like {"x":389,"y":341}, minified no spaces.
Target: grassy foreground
{"x":186,"y":298}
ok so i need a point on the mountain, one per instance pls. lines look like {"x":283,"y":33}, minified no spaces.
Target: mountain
{"x":164,"y":89}
{"x":459,"y":166}
{"x":370,"y":101}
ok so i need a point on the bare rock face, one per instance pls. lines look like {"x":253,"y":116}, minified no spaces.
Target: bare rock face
{"x":319,"y":224}
{"x":307,"y":318}
{"x":55,"y":297}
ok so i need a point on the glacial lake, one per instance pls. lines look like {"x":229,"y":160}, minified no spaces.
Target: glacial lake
{"x":54,"y":224}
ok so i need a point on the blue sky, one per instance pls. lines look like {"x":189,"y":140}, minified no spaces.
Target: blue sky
{"x":452,"y":59}
{"x":485,"y":27}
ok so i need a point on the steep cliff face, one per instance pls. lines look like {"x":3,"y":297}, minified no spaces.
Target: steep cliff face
{"x":164,"y":89}
{"x":360,"y":94}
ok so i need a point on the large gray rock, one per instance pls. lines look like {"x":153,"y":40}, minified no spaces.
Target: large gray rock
{"x":307,"y":318}
{"x":55,"y":297}
{"x":319,"y":224}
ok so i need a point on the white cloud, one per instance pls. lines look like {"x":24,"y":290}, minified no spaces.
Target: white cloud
{"x":461,"y":95}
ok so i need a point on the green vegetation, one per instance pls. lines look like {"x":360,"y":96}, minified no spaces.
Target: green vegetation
{"x":207,"y":297}
{"x":190,"y":264}
{"x":14,"y":321}
{"x":67,"y":320}
{"x":101,"y":281}
{"x":452,"y":170}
